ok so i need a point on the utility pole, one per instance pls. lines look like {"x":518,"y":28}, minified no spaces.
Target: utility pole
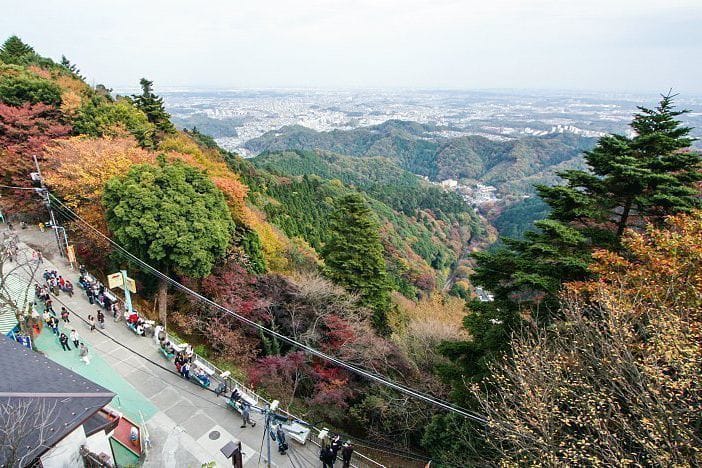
{"x":52,"y":218}
{"x":268,"y":411}
{"x":268,"y":435}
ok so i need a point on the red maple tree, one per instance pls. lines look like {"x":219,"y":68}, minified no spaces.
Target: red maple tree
{"x":24,"y":132}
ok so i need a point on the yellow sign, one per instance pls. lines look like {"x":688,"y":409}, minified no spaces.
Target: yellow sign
{"x":71,"y":254}
{"x":114,"y":280}
{"x":131,"y":284}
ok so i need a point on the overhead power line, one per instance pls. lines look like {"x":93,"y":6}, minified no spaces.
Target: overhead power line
{"x":313,"y":351}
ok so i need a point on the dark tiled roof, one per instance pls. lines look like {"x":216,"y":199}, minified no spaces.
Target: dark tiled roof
{"x":95,"y":423}
{"x":49,"y":393}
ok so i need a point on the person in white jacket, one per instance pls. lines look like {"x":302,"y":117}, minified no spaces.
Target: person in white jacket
{"x":83,"y":352}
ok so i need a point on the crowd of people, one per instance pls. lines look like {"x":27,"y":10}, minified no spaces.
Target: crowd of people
{"x":329,"y":453}
{"x":53,"y":283}
{"x":96,"y":291}
{"x":57,"y":283}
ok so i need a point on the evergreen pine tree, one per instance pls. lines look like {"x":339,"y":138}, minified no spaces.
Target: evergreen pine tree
{"x":71,"y":67}
{"x":353,"y":256}
{"x":14,"y":50}
{"x":152,"y":106}
{"x":632,"y":179}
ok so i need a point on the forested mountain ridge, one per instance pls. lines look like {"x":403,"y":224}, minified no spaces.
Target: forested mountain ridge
{"x":419,"y":149}
{"x":424,"y":229}
{"x":380,"y":177}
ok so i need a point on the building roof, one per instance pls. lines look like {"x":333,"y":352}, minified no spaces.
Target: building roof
{"x":14,"y":287}
{"x":48,"y":401}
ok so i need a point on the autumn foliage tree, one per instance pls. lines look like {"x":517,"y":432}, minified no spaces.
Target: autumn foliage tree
{"x":24,"y":132}
{"x":619,"y":379}
{"x":80,"y":169}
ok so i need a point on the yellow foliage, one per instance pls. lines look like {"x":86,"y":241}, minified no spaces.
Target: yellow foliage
{"x":181,"y":143}
{"x":617,"y":380}
{"x":70,"y":83}
{"x":70,"y":102}
{"x":273,"y":243}
{"x":421,"y":326}
{"x":40,"y":72}
{"x":84,"y":165}
{"x":436,"y":308}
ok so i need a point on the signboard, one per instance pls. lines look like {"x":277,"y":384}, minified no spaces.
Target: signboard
{"x":114,"y":280}
{"x":24,"y":340}
{"x":71,"y":254}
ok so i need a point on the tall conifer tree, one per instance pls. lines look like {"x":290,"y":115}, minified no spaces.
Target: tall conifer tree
{"x":354,"y":256}
{"x":152,"y":106}
{"x":14,"y":50}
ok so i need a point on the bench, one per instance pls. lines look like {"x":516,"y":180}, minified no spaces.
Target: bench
{"x":209,"y":371}
{"x":297,"y":432}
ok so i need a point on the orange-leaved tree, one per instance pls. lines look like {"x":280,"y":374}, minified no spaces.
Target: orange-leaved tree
{"x":81,"y":167}
{"x":618,"y":381}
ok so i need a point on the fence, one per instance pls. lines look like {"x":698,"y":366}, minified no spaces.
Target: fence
{"x":358,"y":460}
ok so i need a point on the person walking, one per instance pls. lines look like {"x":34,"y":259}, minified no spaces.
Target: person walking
{"x":336,"y":445}
{"x":246,"y":416}
{"x":83,"y":353}
{"x":91,"y":322}
{"x":63,"y":339}
{"x":346,"y":454}
{"x":74,"y":337}
{"x":54,"y":324}
{"x":326,"y":455}
{"x":40,"y":257}
{"x":101,"y":319}
{"x":64,"y":315}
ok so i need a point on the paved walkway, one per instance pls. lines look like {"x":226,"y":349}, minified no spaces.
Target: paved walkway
{"x":186,"y":423}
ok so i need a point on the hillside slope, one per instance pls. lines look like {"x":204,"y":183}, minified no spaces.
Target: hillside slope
{"x":419,"y":149}
{"x":424,"y":229}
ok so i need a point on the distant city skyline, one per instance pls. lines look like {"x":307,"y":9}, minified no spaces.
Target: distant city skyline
{"x":636,"y":46}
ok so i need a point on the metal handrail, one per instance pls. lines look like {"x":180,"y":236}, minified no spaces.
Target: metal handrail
{"x":231,"y":382}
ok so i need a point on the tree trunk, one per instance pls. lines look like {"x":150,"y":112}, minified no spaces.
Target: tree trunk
{"x":162,"y":301}
{"x":624,"y":217}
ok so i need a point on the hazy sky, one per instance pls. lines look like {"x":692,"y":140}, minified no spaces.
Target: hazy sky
{"x":619,"y":45}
